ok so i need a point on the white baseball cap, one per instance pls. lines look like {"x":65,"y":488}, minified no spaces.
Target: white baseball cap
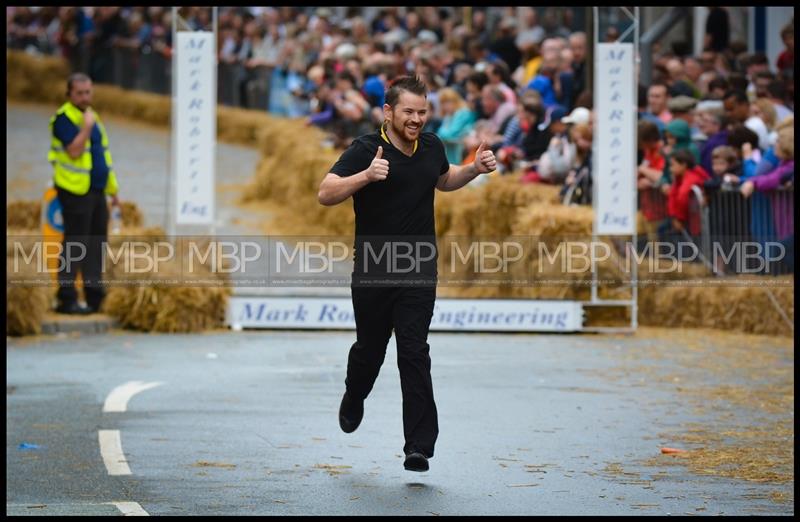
{"x":578,"y":115}
{"x":346,"y":50}
{"x":427,"y":36}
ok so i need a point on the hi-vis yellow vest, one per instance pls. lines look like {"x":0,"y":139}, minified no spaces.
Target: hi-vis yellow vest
{"x":74,"y":175}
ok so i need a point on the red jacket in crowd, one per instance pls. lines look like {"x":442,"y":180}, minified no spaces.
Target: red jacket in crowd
{"x":679,"y":193}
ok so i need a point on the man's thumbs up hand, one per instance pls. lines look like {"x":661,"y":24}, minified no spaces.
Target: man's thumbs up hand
{"x":485,"y":161}
{"x":379,"y":168}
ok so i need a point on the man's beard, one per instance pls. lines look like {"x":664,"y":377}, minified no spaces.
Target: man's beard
{"x":400,"y":132}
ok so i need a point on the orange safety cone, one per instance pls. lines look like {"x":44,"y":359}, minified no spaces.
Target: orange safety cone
{"x":53,"y":235}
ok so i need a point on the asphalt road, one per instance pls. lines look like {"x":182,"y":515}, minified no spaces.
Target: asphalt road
{"x":245,"y":424}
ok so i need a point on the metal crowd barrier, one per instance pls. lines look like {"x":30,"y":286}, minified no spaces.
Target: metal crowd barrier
{"x":125,"y":61}
{"x":228,"y":92}
{"x":147,"y":69}
{"x":732,"y":223}
{"x":155,"y":72}
{"x":726,"y":227}
{"x":653,"y":204}
{"x":257,"y":87}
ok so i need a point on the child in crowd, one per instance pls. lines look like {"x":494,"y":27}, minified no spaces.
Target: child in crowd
{"x":649,"y":174}
{"x":724,"y":162}
{"x":759,"y":218}
{"x":724,"y":227}
{"x":652,"y":165}
{"x":745,"y":142}
{"x":685,"y":174}
{"x":678,"y":136}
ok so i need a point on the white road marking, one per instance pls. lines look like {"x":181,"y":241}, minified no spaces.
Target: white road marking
{"x":130,"y":509}
{"x":117,"y":400}
{"x":75,"y":508}
{"x":111,"y":450}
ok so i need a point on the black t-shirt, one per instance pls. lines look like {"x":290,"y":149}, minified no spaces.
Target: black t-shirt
{"x":536,"y":142}
{"x":400,"y":205}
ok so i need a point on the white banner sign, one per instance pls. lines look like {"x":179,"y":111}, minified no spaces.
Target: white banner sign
{"x":448,"y":315}
{"x":615,"y":140}
{"x":195,"y":127}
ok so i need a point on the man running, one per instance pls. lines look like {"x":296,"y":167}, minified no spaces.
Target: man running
{"x":392,"y":174}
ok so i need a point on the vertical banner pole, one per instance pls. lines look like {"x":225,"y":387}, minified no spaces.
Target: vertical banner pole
{"x":214,"y":124}
{"x":634,"y":192}
{"x":614,"y":194}
{"x":596,"y":12}
{"x":194,"y":130}
{"x":173,"y":175}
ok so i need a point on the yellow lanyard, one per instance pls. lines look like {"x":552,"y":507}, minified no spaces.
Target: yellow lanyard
{"x":386,"y":139}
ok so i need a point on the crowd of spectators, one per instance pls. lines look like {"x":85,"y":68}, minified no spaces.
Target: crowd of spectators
{"x":513,"y":77}
{"x":87,"y":36}
{"x":721,"y":121}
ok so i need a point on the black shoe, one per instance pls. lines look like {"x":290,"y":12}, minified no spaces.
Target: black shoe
{"x":351,"y":412}
{"x":73,"y":309}
{"x":416,"y":461}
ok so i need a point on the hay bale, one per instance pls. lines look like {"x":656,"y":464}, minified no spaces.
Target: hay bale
{"x":554,"y":221}
{"x":41,"y":79}
{"x":235,"y":125}
{"x":24,"y":214}
{"x":25,"y":309}
{"x":21,"y":239}
{"x":458,"y":216}
{"x":26,"y":304}
{"x":737,"y":308}
{"x":132,"y":258}
{"x":740,"y":309}
{"x":490,"y":209}
{"x":131,"y":215}
{"x":474,"y":292}
{"x":148,"y":235}
{"x":35,"y":78}
{"x":197,"y":303}
{"x":145,"y":107}
{"x":160,"y":308}
{"x":289,"y":173}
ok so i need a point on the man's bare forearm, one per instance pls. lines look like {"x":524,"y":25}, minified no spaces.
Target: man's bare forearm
{"x":335,"y":189}
{"x":458,"y":176}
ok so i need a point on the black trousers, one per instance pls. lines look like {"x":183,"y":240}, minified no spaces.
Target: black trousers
{"x":408,"y":311}
{"x":86,"y":224}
